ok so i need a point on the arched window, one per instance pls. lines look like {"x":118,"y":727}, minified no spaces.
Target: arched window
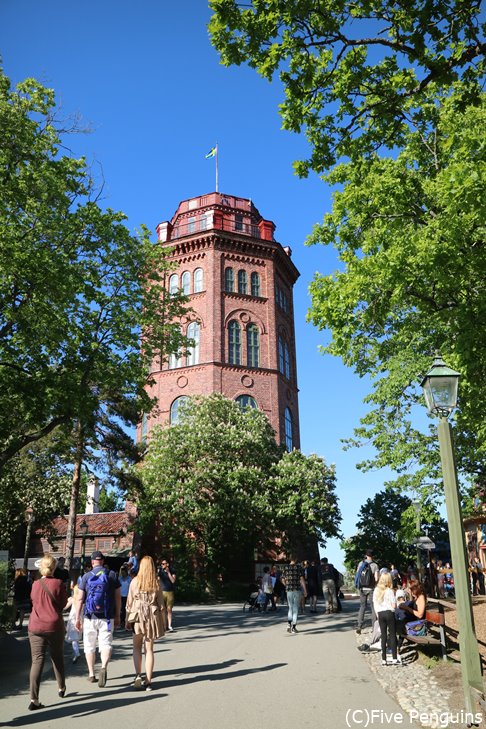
{"x":198,"y":280}
{"x":283,"y":357}
{"x":173,"y":284}
{"x":229,"y":280}
{"x":242,"y":282}
{"x":289,"y":430}
{"x":255,"y":284}
{"x":186,"y":283}
{"x":193,"y":331}
{"x":234,"y":343}
{"x":175,"y":409}
{"x":175,"y":360}
{"x":246,"y":401}
{"x":252,"y":346}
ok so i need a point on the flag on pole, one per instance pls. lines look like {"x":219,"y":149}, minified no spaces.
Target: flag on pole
{"x":212,"y":152}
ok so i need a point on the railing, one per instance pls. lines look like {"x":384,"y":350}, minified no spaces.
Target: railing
{"x":200,"y":225}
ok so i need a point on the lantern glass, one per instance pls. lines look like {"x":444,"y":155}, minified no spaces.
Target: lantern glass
{"x":440,"y":387}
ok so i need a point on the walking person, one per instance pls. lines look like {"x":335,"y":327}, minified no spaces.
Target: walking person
{"x":385,"y":603}
{"x":328,"y":578}
{"x":73,"y":635}
{"x":365,"y":580}
{"x":22,"y":589}
{"x":46,"y":628}
{"x":146,"y":617}
{"x":267,"y":585}
{"x":293,"y":581}
{"x":99,"y":595}
{"x":125,"y":580}
{"x":312,"y":581}
{"x":168,"y":578}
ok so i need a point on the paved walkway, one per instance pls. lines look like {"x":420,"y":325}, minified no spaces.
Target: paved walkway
{"x":220,"y":669}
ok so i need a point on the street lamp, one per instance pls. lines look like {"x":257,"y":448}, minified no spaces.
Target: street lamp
{"x":84,"y":530}
{"x":440,"y":386}
{"x":29,"y":519}
{"x":417,"y":506}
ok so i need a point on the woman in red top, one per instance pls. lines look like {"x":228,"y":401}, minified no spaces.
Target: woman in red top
{"x":46,"y":628}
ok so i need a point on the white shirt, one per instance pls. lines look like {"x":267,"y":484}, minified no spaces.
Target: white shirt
{"x":388,"y":602}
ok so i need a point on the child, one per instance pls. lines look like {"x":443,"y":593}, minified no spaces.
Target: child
{"x":73,"y":636}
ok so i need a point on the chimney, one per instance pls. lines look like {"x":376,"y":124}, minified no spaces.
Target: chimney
{"x":93,"y":496}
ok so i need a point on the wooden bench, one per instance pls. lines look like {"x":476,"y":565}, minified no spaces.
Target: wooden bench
{"x":434,"y":618}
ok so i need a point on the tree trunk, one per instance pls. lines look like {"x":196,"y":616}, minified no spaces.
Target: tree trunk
{"x":78,"y":463}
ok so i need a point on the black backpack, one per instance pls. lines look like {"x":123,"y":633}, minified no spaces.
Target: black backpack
{"x":366,"y":576}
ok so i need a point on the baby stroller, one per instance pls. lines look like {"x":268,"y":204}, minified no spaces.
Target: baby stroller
{"x":254,"y":602}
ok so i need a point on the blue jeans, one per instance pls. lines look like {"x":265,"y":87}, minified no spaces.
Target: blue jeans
{"x":293,"y":601}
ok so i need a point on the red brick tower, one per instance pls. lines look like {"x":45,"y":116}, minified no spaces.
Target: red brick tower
{"x":239,"y":281}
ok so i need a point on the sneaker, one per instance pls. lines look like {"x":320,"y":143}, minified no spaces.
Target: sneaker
{"x":395,"y":662}
{"x":92,"y":679}
{"x":170,"y":630}
{"x":102,"y":677}
{"x":148,"y":687}
{"x":293,"y":629}
{"x":383,"y":663}
{"x":138,"y":683}
{"x":62,"y":692}
{"x":289,"y":629}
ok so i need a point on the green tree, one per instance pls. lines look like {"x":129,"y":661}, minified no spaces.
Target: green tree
{"x":217,"y":485}
{"x":355,"y":74}
{"x":304,"y":502}
{"x":387,"y":523}
{"x":365,"y":80}
{"x":76,"y":287}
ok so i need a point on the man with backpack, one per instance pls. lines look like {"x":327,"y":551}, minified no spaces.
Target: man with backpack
{"x":99,"y":594}
{"x":365,"y":580}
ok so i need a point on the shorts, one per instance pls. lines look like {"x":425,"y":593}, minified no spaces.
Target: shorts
{"x":168,"y":599}
{"x":96,"y":629}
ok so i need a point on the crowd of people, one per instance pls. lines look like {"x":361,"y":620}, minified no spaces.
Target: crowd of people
{"x":140,"y":599}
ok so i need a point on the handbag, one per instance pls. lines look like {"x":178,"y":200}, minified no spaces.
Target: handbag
{"x":416,"y":628}
{"x":132,"y":617}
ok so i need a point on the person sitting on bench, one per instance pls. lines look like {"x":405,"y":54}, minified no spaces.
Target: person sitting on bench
{"x":413,"y":609}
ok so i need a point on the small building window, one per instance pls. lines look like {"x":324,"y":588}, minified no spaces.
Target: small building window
{"x":173,"y":284}
{"x":203,"y":222}
{"x":283,"y":357}
{"x":191,"y":225}
{"x":246,"y":401}
{"x":289,"y":430}
{"x":242,"y":282}
{"x":234,"y":343}
{"x":229,"y":280}
{"x":186,"y":283}
{"x":193,"y":331}
{"x":255,"y":284}
{"x":238,"y":221}
{"x":175,"y":409}
{"x":198,"y":280}
{"x":253,"y":345}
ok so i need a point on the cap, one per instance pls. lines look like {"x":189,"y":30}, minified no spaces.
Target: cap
{"x":97,"y":555}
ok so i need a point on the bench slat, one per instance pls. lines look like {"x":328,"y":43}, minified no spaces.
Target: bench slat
{"x":423,"y":640}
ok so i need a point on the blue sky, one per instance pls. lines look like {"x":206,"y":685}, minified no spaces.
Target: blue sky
{"x":146,"y":81}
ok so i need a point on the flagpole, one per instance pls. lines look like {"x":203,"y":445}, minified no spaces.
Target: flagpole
{"x":217,"y":167}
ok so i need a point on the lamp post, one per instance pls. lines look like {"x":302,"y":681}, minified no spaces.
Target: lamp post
{"x":417,"y":508}
{"x":440,"y":386}
{"x":29,"y":519}
{"x":84,"y":530}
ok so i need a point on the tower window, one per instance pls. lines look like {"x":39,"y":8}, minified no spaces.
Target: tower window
{"x":242,"y":282}
{"x":173,"y":284}
{"x":186,"y":283}
{"x":175,"y":409}
{"x":289,"y":430}
{"x":234,"y":343}
{"x":255,"y":284}
{"x":246,"y":401}
{"x":238,"y":222}
{"x":283,"y":357}
{"x":191,"y":225}
{"x":253,"y":345}
{"x":198,"y":280}
{"x":229,"y":280}
{"x":193,"y":331}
